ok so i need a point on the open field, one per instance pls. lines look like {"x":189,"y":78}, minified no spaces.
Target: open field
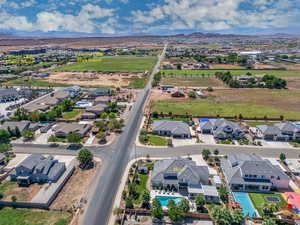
{"x":292,"y":82}
{"x":197,"y":81}
{"x":95,"y":78}
{"x":225,"y":66}
{"x":248,"y":102}
{"x":10,"y":216}
{"x":122,"y":63}
{"x":33,"y":83}
{"x":282,"y":73}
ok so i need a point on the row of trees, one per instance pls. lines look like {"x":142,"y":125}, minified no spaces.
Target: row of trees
{"x":268,"y":81}
{"x":232,"y":58}
{"x":36,"y":116}
{"x":156,"y":79}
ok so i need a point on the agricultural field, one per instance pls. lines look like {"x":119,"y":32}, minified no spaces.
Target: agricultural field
{"x":225,"y":66}
{"x":10,"y":216}
{"x":196,"y":81}
{"x":292,"y":82}
{"x":121,"y":63}
{"x":281,"y":73}
{"x":247,"y":102}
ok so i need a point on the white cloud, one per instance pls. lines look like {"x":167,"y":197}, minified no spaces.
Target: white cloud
{"x":84,"y":21}
{"x":217,"y":14}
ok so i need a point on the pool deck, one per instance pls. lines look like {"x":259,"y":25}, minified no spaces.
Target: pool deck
{"x":155,"y":193}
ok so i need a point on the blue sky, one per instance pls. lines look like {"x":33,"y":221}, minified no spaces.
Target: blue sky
{"x":121,"y":17}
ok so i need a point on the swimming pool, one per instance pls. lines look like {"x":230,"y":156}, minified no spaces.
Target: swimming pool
{"x":164,"y":200}
{"x":297,"y":124}
{"x":83,"y":103}
{"x":245,"y":202}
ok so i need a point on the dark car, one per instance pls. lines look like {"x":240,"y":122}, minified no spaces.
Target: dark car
{"x":75,"y":146}
{"x":53,"y":145}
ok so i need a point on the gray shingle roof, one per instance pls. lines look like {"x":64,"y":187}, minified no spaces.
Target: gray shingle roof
{"x":175,"y":127}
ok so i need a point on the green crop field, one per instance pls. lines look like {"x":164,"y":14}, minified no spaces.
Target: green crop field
{"x":10,"y":216}
{"x":33,"y":83}
{"x":113,"y":63}
{"x":249,"y":103}
{"x":283,"y":73}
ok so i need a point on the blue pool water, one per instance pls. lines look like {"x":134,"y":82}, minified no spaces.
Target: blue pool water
{"x":164,"y":200}
{"x":83,"y":103}
{"x":297,"y":124}
{"x":246,"y":204}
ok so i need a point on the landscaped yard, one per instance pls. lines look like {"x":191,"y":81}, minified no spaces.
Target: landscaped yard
{"x":137,"y":82}
{"x":6,"y":186}
{"x":256,"y":123}
{"x":249,"y":103}
{"x":10,"y":216}
{"x":113,"y":63}
{"x":141,"y":187}
{"x":157,"y":141}
{"x":259,"y":199}
{"x":72,"y":114}
{"x":233,"y":72}
{"x":33,"y":83}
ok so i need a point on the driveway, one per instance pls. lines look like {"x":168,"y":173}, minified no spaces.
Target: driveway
{"x":43,"y":137}
{"x":275,"y":144}
{"x":183,"y":142}
{"x":207,"y":139}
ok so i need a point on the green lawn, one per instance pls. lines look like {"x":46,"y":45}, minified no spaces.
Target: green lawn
{"x":141,"y":187}
{"x":209,"y":107}
{"x":10,"y":216}
{"x":6,"y":186}
{"x":113,"y":63}
{"x":295,"y":144}
{"x":259,"y":199}
{"x":53,"y":138}
{"x":72,"y":114}
{"x":157,"y":141}
{"x":233,"y":72}
{"x":137,"y":82}
{"x":33,"y":82}
{"x":183,"y":119}
{"x":256,"y":123}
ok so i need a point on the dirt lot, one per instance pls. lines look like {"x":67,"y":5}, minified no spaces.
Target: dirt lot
{"x":293,"y":67}
{"x":93,"y":78}
{"x":265,"y":66}
{"x":197,"y":81}
{"x":22,"y":193}
{"x":75,"y":189}
{"x":293,"y":82}
{"x":225,"y":66}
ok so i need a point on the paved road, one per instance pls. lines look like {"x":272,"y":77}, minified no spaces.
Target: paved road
{"x":108,"y":179}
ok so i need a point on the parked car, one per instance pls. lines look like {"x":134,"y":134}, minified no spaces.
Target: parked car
{"x":75,"y":146}
{"x":54,"y":145}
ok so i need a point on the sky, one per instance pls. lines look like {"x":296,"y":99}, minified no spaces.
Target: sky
{"x":123,"y":17}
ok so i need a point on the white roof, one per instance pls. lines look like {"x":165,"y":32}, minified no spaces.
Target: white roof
{"x":209,"y":190}
{"x":293,"y":164}
{"x":217,"y":180}
{"x":274,"y":162}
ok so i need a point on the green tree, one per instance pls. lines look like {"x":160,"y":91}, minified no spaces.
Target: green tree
{"x":85,"y":157}
{"x":269,"y":221}
{"x":34,"y":116}
{"x":192,"y":94}
{"x":14,"y":198}
{"x":206,"y":154}
{"x":112,"y":115}
{"x":175,"y":213}
{"x":28,"y":135}
{"x":156,"y":209}
{"x":282,"y":157}
{"x":129,"y":203}
{"x":74,"y":138}
{"x":132,"y":191}
{"x":216,"y":152}
{"x":200,"y":202}
{"x":5,"y":147}
{"x":146,"y":199}
{"x":4,"y":136}
{"x":17,"y":132}
{"x":184,"y":205}
{"x":101,"y":136}
{"x":103,"y":115}
{"x":223,"y":193}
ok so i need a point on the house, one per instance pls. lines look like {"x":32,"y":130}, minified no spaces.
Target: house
{"x":176,"y":93}
{"x":102,"y":100}
{"x":63,"y":129}
{"x":251,"y":173}
{"x":184,"y":176}
{"x":73,"y":91}
{"x":21,"y":126}
{"x":96,"y":109}
{"x":37,"y":169}
{"x":222,"y":129}
{"x":176,"y":129}
{"x":279,"y":132}
{"x":102,"y":91}
{"x":9,"y":94}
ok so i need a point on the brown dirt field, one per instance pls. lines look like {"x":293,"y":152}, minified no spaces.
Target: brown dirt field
{"x":192,"y":81}
{"x":265,"y":66}
{"x":293,"y":67}
{"x":292,"y":82}
{"x":283,"y":99}
{"x":158,"y":95}
{"x":225,"y":66}
{"x":75,"y":189}
{"x":91,"y":78}
{"x":22,"y":193}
